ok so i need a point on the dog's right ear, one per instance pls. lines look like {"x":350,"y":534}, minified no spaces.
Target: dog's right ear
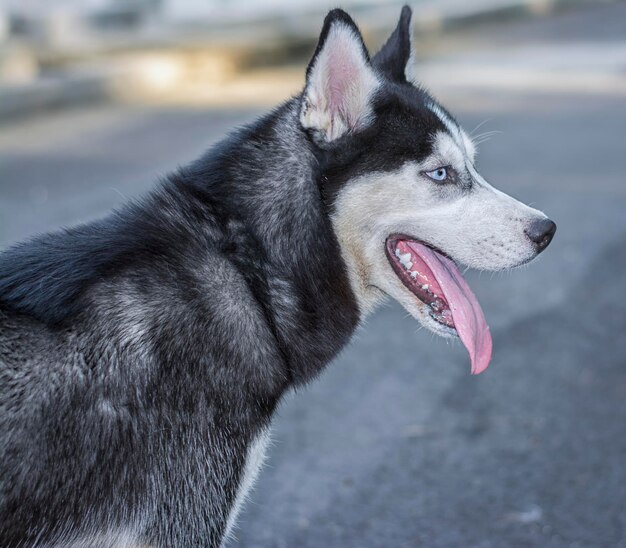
{"x":395,"y":58}
{"x":340,"y":81}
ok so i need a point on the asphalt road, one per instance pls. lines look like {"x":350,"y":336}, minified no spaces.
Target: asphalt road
{"x":396,"y":444}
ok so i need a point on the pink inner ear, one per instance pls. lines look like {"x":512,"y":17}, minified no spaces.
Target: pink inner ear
{"x":343,"y":71}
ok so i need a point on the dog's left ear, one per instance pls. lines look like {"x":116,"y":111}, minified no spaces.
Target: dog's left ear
{"x":394,"y":59}
{"x":340,"y":81}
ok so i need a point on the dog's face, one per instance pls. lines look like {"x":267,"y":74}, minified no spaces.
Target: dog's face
{"x":405,"y":197}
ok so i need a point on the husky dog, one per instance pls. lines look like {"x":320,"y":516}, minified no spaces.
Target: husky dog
{"x":142,"y":356}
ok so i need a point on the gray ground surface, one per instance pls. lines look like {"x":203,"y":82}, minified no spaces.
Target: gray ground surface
{"x":396,"y":445}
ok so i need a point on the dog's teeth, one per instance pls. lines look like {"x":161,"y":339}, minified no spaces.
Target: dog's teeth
{"x":425,"y":287}
{"x":405,"y":260}
{"x":413,"y":274}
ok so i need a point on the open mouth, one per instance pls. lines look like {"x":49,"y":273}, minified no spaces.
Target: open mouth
{"x":436,"y":281}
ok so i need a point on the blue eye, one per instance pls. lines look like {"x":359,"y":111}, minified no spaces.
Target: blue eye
{"x":439,"y":174}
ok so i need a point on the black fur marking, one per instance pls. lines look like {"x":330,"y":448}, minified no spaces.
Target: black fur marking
{"x":402,"y":131}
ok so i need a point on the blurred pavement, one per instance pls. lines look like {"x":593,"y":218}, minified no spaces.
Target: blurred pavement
{"x":396,"y":444}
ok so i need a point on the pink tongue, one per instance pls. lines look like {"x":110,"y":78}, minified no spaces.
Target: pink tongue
{"x":468,"y":317}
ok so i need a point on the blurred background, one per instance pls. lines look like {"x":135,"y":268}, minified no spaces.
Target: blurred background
{"x":395,"y":445}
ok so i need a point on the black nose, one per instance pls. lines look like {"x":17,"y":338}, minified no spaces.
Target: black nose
{"x":540,"y":233}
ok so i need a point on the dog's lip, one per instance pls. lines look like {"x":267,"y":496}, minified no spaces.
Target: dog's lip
{"x":390,"y":246}
{"x":392,"y":239}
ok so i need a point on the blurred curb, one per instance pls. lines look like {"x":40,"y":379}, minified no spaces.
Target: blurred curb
{"x":118,"y":68}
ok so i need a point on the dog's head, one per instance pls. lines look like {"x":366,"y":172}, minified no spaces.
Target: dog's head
{"x":399,"y":178}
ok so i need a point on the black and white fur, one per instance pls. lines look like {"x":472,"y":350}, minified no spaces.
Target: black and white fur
{"x":142,"y":356}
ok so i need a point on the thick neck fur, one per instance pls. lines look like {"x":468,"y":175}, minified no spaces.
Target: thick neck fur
{"x":241,"y":229}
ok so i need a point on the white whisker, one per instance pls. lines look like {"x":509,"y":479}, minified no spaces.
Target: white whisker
{"x":481,"y":124}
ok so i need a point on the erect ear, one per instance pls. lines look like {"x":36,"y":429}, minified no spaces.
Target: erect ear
{"x":395,"y":58}
{"x":340,"y":81}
